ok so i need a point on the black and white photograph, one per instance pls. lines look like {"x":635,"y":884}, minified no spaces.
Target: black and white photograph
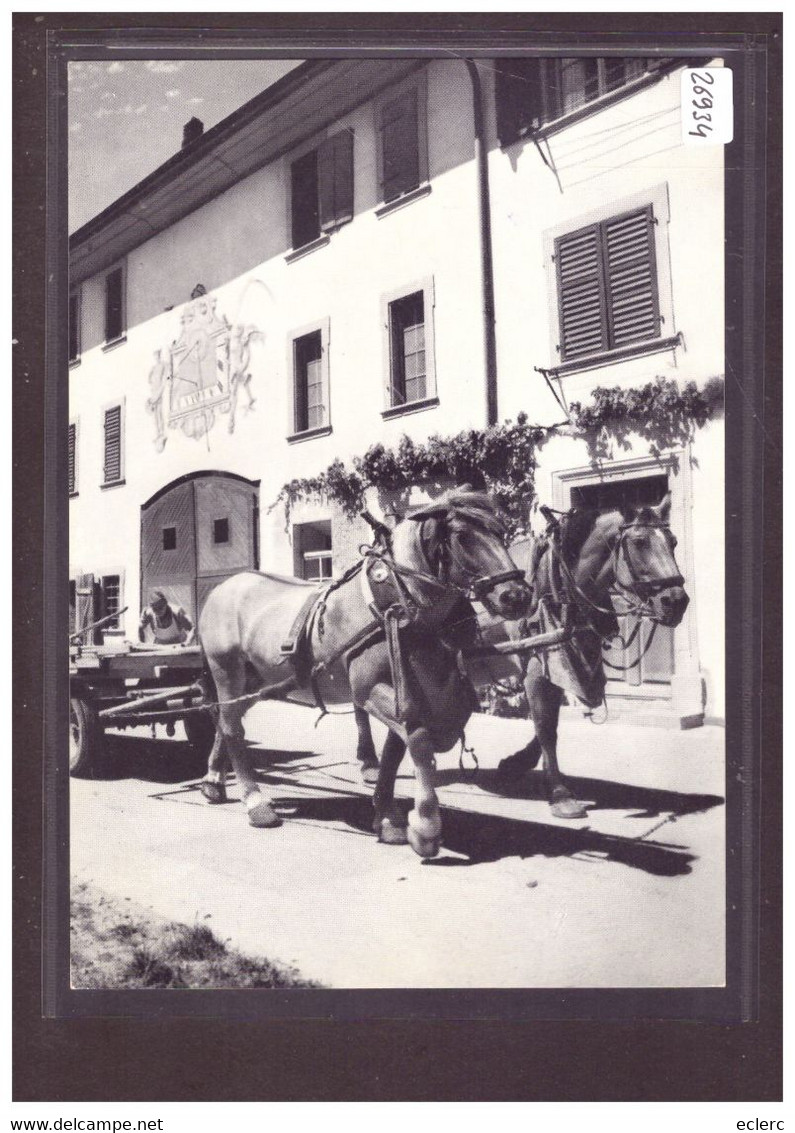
{"x":396,"y":523}
{"x":396,"y":547}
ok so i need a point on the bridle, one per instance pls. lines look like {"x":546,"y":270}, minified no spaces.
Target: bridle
{"x":477,"y":588}
{"x":641,"y":590}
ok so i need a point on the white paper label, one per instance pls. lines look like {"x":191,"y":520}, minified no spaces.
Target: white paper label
{"x":707,"y":106}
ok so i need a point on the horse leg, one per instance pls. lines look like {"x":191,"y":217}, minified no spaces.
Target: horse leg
{"x":389,"y":822}
{"x":513,"y":767}
{"x":231,"y":685}
{"x":424,"y":822}
{"x":544,"y":700}
{"x":365,"y":749}
{"x":213,"y":785}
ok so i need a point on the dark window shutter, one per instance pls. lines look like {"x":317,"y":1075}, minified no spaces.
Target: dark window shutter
{"x":519,"y":96}
{"x":631,"y":274}
{"x":335,"y":175}
{"x":74,"y":327}
{"x":400,"y":146}
{"x":114,"y":305}
{"x":304,"y":199}
{"x":581,"y":297}
{"x":72,"y":465}
{"x":113,"y":444}
{"x":607,"y":285}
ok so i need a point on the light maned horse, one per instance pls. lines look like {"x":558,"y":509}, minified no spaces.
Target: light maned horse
{"x":440,"y":553}
{"x":573,"y":576}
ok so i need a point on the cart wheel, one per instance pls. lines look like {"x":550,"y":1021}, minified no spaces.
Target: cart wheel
{"x":85,"y":739}
{"x":200,"y":730}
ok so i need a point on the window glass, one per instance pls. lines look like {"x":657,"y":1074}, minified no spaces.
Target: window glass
{"x":221,"y":530}
{"x":310,"y":407}
{"x":407,"y":333}
{"x":169,"y":538}
{"x":111,"y":600}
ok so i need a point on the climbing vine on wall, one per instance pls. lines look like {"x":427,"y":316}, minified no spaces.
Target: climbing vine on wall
{"x":663,"y":414}
{"x":502,"y":458}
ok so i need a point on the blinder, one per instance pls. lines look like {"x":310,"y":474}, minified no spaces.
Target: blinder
{"x":643,"y":588}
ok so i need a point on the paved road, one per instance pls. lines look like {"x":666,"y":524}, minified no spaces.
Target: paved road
{"x":631,"y":896}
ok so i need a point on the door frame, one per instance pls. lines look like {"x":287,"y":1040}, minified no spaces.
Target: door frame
{"x":683,"y":700}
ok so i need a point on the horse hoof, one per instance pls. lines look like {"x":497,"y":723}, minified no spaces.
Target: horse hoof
{"x":213,"y":792}
{"x":369,"y":773}
{"x":263,"y":815}
{"x":568,"y":808}
{"x":390,"y":833}
{"x":425,"y":847}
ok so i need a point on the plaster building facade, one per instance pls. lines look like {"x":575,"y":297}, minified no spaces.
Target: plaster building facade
{"x":378,"y":247}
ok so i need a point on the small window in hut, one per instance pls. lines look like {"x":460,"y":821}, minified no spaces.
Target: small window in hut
{"x":169,"y":538}
{"x":221,"y":531}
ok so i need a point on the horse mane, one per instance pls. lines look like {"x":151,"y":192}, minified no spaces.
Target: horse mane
{"x":476,"y":508}
{"x":575,"y":529}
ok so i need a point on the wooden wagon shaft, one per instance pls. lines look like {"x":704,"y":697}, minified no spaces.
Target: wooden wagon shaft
{"x":521,"y":645}
{"x":96,"y":625}
{"x":131,"y":707}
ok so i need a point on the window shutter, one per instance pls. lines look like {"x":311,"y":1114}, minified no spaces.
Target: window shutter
{"x":304,"y":199}
{"x":581,"y":298}
{"x":72,"y":465}
{"x":335,"y":174}
{"x":400,"y":146}
{"x":519,"y":98}
{"x":630,"y":269}
{"x":114,"y":301}
{"x":113,"y":444}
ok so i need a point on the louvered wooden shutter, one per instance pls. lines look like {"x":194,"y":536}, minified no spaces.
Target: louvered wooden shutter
{"x":581,"y":295}
{"x":113,"y":444}
{"x":400,"y":146}
{"x":335,"y":174}
{"x":631,"y":274}
{"x":607,"y":285}
{"x":72,"y":460}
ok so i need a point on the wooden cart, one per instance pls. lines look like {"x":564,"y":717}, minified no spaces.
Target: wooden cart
{"x":122,"y":685}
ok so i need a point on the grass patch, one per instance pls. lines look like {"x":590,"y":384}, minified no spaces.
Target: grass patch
{"x":115,"y":944}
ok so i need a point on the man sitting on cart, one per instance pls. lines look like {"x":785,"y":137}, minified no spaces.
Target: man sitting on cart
{"x":169,"y":625}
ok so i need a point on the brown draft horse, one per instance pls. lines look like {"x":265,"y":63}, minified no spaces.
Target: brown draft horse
{"x":372,"y":638}
{"x":573,"y":570}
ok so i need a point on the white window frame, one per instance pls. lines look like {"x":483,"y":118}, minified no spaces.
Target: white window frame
{"x":431,"y":399}
{"x":658,"y":198}
{"x":293,"y":432}
{"x":109,"y":573}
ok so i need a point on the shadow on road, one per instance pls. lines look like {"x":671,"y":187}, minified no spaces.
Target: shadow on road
{"x":600,"y":794}
{"x":489,"y":838}
{"x":171,"y":761}
{"x":478,"y":837}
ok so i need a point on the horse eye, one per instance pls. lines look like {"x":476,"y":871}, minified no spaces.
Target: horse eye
{"x":674,"y":541}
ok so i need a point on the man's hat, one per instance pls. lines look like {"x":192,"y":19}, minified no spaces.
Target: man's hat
{"x":157,"y":598}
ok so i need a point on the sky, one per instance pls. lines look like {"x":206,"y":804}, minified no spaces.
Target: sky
{"x":126,"y":117}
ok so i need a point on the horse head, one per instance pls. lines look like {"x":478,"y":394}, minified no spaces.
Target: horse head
{"x":461,"y":539}
{"x":646,"y":571}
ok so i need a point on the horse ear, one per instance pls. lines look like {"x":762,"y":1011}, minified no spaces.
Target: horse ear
{"x":664,"y":508}
{"x":628,"y":513}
